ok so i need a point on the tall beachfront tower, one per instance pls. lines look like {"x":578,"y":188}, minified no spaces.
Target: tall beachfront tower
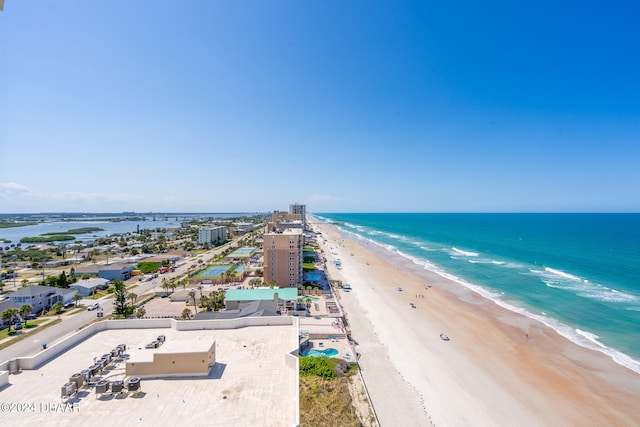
{"x":301,"y":210}
{"x":283,"y":257}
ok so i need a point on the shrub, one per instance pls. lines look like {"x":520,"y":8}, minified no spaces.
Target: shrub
{"x":317,"y":366}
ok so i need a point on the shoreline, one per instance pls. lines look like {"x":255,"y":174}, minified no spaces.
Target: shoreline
{"x":570,"y":333}
{"x":499,"y":366}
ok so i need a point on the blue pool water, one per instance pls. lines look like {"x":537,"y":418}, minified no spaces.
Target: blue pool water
{"x":328,"y":352}
{"x":312,"y":276}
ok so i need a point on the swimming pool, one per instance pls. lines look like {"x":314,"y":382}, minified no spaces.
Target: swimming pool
{"x":327,"y":352}
{"x":314,"y":277}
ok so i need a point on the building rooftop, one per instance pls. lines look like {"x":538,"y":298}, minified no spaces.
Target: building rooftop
{"x":37,"y":290}
{"x":251,"y":383}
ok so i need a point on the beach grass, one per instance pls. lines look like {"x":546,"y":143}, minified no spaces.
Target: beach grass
{"x":326,"y":402}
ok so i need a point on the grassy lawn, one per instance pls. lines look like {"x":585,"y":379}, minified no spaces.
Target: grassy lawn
{"x":24,"y":334}
{"x":36,"y":322}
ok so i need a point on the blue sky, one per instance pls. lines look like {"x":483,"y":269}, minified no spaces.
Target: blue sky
{"x":357,"y":106}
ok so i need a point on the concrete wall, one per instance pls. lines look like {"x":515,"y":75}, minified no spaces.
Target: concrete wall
{"x":33,"y":362}
{"x":4,"y":379}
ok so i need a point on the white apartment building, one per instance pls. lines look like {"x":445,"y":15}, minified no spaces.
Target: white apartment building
{"x":213,"y":235}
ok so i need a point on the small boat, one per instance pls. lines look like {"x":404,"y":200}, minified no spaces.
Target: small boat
{"x":444,"y":337}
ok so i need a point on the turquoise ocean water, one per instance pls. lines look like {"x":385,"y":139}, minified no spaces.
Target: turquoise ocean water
{"x":578,"y":273}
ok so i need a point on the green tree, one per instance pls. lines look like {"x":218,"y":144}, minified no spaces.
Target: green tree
{"x":173,"y":285}
{"x":192,"y":295}
{"x":200,"y":289}
{"x":25,"y":310}
{"x":131,"y":296}
{"x":77,"y":297}
{"x":186,"y":314}
{"x":57,"y":307}
{"x":140,"y":312}
{"x":120,"y":302}
{"x":8,"y":315}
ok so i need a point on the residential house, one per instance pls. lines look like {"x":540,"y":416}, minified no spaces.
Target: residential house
{"x":115,"y":271}
{"x":41,"y":297}
{"x":88,"y":287}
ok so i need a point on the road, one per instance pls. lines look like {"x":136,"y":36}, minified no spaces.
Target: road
{"x":70,"y":324}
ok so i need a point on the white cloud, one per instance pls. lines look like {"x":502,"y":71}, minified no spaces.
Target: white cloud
{"x":12,"y":189}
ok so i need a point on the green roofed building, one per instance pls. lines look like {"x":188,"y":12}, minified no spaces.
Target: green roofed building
{"x":280,"y":296}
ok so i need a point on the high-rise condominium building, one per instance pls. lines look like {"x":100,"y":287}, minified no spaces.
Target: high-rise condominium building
{"x":296,"y":208}
{"x":283,"y":257}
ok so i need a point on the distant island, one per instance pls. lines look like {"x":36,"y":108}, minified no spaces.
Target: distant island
{"x":14,"y":224}
{"x":83,"y":230}
{"x":47,"y":239}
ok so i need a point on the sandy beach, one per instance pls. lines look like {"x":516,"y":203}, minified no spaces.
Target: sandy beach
{"x":498,"y":368}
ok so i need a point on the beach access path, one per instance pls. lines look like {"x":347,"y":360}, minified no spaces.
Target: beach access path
{"x":498,"y":368}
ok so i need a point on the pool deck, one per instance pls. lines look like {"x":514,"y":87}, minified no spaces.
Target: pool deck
{"x":345,"y":351}
{"x":327,"y":333}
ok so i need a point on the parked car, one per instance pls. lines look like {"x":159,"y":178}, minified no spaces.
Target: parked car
{"x":17,"y":326}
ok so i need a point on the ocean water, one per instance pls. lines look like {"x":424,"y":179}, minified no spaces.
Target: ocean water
{"x":577,"y":273}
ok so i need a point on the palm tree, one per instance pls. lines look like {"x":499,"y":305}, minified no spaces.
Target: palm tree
{"x":108,"y":252}
{"x":132,"y":297}
{"x":173,"y":285}
{"x":192,"y":295}
{"x":186,"y":314}
{"x":141,"y":312}
{"x":8,"y":315}
{"x":77,"y":297}
{"x":57,"y":307}
{"x":200,"y":289}
{"x":24,"y":311}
